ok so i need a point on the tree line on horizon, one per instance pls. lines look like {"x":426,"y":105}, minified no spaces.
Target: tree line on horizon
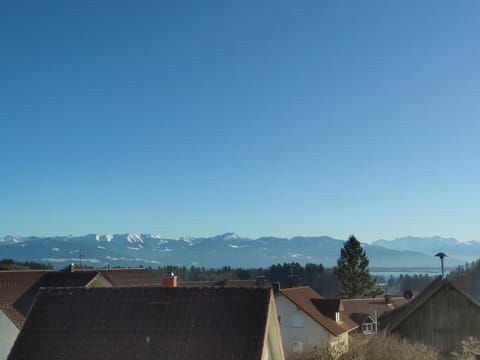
{"x":349,"y":279}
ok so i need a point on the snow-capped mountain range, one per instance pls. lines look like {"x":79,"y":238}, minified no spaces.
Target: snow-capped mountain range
{"x":227,"y":249}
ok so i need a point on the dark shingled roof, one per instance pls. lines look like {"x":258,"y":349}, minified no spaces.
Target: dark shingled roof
{"x":53,"y":279}
{"x":244,"y":283}
{"x":328,"y":307}
{"x":18,"y":288}
{"x":145,"y":323}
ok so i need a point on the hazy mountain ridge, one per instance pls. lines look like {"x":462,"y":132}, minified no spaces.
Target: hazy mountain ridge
{"x":464,"y":251}
{"x":226,"y":249}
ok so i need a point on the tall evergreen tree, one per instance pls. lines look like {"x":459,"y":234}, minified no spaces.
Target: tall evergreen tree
{"x":353,"y":272}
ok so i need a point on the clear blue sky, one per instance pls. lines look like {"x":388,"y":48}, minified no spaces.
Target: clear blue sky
{"x":259,"y":117}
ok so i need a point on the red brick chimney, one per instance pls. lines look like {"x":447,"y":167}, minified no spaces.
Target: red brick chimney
{"x":169,"y":280}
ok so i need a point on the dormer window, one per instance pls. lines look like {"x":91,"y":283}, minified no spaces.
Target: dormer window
{"x":369,"y":326}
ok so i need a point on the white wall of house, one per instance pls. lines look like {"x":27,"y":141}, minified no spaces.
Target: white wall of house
{"x":8,"y":334}
{"x":98,"y":281}
{"x":299,"y":331}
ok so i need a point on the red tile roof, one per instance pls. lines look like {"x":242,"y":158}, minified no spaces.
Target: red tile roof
{"x":145,"y":323}
{"x":311,"y":303}
{"x":131,"y":277}
{"x":13,"y":284}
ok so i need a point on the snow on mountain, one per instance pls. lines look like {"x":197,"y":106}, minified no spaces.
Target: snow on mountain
{"x":154,"y":236}
{"x":235,"y":246}
{"x":224,"y":249}
{"x":11,"y":239}
{"x":231,"y":236}
{"x":187,"y":239}
{"x":134,"y":238}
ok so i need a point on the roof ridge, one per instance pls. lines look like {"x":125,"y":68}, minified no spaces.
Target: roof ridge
{"x":431,"y":289}
{"x":313,"y":312}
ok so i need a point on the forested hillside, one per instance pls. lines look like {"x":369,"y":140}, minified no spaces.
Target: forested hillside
{"x":467,"y":278}
{"x":323,"y":280}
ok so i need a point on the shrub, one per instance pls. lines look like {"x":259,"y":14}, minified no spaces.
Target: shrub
{"x":470,"y":347}
{"x":377,"y":347}
{"x":381,"y":347}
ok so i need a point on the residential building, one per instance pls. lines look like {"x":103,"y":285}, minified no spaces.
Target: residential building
{"x":365,"y":312}
{"x":19,"y":288}
{"x":151,"y":323}
{"x":308,"y":320}
{"x":12,"y":285}
{"x":442,"y":316}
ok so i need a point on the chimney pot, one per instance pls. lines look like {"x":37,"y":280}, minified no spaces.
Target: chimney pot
{"x":169,"y":280}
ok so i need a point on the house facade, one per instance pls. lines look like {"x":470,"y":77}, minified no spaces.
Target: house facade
{"x":307,"y":320}
{"x":440,"y":316}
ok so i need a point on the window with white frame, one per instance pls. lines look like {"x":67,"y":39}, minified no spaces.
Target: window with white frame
{"x":369,"y":327}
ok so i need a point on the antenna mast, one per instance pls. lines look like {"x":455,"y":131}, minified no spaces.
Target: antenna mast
{"x":80,"y":257}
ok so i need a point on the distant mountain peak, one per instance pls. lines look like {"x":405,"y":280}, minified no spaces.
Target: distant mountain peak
{"x":133,"y":249}
{"x":432,"y":245}
{"x":231,"y":236}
